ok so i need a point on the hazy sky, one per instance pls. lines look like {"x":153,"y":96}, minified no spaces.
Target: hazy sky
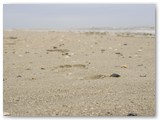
{"x":77,"y":15}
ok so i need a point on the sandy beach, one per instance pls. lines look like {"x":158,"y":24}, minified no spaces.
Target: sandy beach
{"x":67,"y":73}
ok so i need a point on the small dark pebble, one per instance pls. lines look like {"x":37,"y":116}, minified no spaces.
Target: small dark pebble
{"x":17,"y":100}
{"x":19,"y":76}
{"x":117,"y":53}
{"x":42,"y":68}
{"x":115,"y":75}
{"x":102,"y":50}
{"x":54,"y":47}
{"x":12,"y":37}
{"x":28,"y":69}
{"x":61,"y":44}
{"x":140,"y":65}
{"x":26,"y":52}
{"x":132,"y":114}
{"x":109,"y":113}
{"x":143,"y":75}
{"x":125,"y":44}
{"x":66,"y":53}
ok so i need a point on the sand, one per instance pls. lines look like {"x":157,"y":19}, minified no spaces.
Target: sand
{"x":62,"y":73}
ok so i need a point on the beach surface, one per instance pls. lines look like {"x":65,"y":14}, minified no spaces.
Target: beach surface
{"x":67,"y":73}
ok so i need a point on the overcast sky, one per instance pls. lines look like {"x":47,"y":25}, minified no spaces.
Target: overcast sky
{"x":77,"y":15}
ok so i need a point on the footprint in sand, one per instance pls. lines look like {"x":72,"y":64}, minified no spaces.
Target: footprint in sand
{"x":79,"y":66}
{"x":66,"y":67}
{"x":94,"y":77}
{"x":73,"y":66}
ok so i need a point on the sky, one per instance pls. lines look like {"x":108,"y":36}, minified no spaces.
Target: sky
{"x":77,"y":15}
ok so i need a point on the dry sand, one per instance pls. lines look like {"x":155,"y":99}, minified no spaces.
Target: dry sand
{"x":68,"y":74}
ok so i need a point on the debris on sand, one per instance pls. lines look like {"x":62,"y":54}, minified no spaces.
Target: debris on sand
{"x":28,"y":69}
{"x":9,"y":43}
{"x":114,"y":75}
{"x":26,"y":52}
{"x":42,"y":68}
{"x":54,"y":47}
{"x":118,"y":53}
{"x":6,"y":114}
{"x":143,"y":75}
{"x":33,"y":78}
{"x":124,"y":66}
{"x":139,"y":50}
{"x":140,"y":65}
{"x":102,"y":50}
{"x":79,"y":65}
{"x":61,"y":45}
{"x":58,"y":50}
{"x":12,"y":37}
{"x":125,"y":44}
{"x":132,"y":114}
{"x":19,"y":76}
{"x":65,"y":66}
